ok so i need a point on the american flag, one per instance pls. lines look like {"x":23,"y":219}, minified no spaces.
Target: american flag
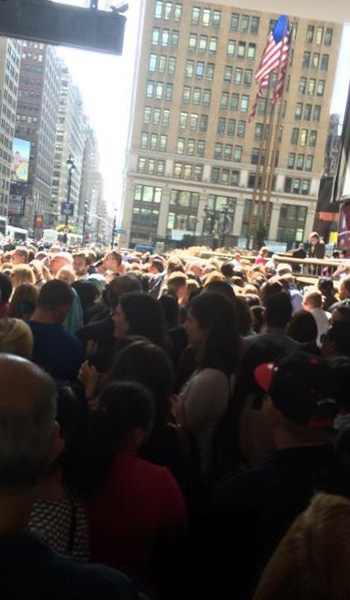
{"x":275,"y":56}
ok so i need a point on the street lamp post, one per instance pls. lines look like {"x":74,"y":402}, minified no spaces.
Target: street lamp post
{"x":71,"y":166}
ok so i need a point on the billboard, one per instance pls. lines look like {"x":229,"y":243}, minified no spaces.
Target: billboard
{"x":20,"y":160}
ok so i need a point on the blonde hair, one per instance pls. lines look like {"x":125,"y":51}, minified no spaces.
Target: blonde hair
{"x":66,"y":273}
{"x":312,"y":562}
{"x":16,"y":337}
{"x":22,"y":274}
{"x":24,"y":301}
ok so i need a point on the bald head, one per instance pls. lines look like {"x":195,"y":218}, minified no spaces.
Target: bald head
{"x":27,"y":418}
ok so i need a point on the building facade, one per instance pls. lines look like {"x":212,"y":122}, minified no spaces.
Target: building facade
{"x":191,"y":160}
{"x":10,"y":55}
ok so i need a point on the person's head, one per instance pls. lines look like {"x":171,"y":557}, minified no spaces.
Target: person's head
{"x":29,"y":438}
{"x":301,"y":402}
{"x":312,"y":299}
{"x":211,"y":327}
{"x":119,"y":286}
{"x":5,"y":288}
{"x":177,"y":284}
{"x":336,"y":341}
{"x":170,"y":310}
{"x":24,"y":301}
{"x":80,"y":264}
{"x":58,"y":260}
{"x":149,"y":365}
{"x":22,"y":274}
{"x":340,"y":313}
{"x":227,"y":270}
{"x":312,"y":560}
{"x":66,"y":274}
{"x":139,"y":314}
{"x":344,"y":288}
{"x":302,"y":327}
{"x":264,"y":251}
{"x":278,"y":310}
{"x":326,"y":287}
{"x":20,"y":255}
{"x":129,"y":413}
{"x":156,"y":266}
{"x":112,"y":261}
{"x":55,"y":299}
{"x":258,"y":314}
{"x":86,"y":293}
{"x":16,"y":338}
{"x":314,"y":238}
{"x":269,"y":288}
{"x":244,"y":316}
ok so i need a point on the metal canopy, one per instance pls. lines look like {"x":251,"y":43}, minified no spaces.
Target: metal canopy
{"x":65,"y":25}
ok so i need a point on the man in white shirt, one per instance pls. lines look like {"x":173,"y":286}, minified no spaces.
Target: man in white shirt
{"x":312,"y":302}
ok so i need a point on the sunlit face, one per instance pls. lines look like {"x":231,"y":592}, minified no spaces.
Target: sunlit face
{"x":121,"y":325}
{"x":196,"y":336}
{"x":343,"y":293}
{"x":110,"y":263}
{"x":79,"y":266}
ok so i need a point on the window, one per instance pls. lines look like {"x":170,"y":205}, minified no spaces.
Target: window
{"x":300,"y":162}
{"x":234,"y":22}
{"x":254,"y":159}
{"x":150,"y":89}
{"x":190,"y":147}
{"x":295,"y":136}
{"x":163,"y":140}
{"x":291,"y":160}
{"x":258,"y":131}
{"x":152,"y":64}
{"x":144,"y":140}
{"x":175,"y":39}
{"x":303,"y":137}
{"x":309,"y":162}
{"x":305,"y":187}
{"x":215,"y":175}
{"x":244,"y":23}
{"x":186,"y":94}
{"x":254,"y":25}
{"x":213,"y":45}
{"x":154,"y":141}
{"x":310,"y":34}
{"x":169,"y":91}
{"x":192,"y":41}
{"x":193,"y":121}
{"x":197,"y":96}
{"x":224,"y":100}
{"x":320,"y":87}
{"x":298,"y":110}
{"x":238,"y":75}
{"x":216,"y":18}
{"x":147,"y":114}
{"x":228,"y":152}
{"x":171,"y":65}
{"x":166,"y":117}
{"x":228,"y":74}
{"x":206,"y":14}
{"x":244,"y":103}
{"x":248,"y":76}
{"x":231,"y":127}
{"x":313,"y":138}
{"x":324,"y":62}
{"x":199,"y":70}
{"x":251,"y":52}
{"x":158,"y":10}
{"x":200,"y":147}
{"x":168,"y":12}
{"x":165,"y":37}
{"x":319,"y":35}
{"x":307,"y":112}
{"x":177,"y":12}
{"x":231,"y":45}
{"x":206,"y":97}
{"x":221,"y":126}
{"x":306,"y":60}
{"x":209,"y":73}
{"x":196,"y":14}
{"x":311,"y":85}
{"x":315,"y":60}
{"x":262,"y":107}
{"x":328,"y":36}
{"x":235,"y":177}
{"x":241,"y":125}
{"x":203,"y":123}
{"x":317,"y":113}
{"x":237,"y":154}
{"x":241,"y":49}
{"x":156,"y":116}
{"x":296,"y":187}
{"x":203,"y":43}
{"x":183,"y":120}
{"x":189,"y":70}
{"x":302,"y":85}
{"x":234,"y":102}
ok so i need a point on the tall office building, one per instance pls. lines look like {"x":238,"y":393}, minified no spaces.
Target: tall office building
{"x":36,"y":122}
{"x":10,"y":54}
{"x":91,"y":186}
{"x":192,"y":154}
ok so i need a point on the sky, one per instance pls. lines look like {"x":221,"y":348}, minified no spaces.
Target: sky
{"x":105,"y":82}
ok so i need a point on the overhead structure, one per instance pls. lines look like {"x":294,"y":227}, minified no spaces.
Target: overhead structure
{"x":64,"y":25}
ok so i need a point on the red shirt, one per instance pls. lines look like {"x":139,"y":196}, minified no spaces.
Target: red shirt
{"x":139,"y":504}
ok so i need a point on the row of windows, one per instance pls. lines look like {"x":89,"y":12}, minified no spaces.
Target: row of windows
{"x":315,"y":60}
{"x":304,"y":137}
{"x":311,"y":86}
{"x":227,"y":152}
{"x":300,"y":162}
{"x":165,"y":37}
{"x":224,"y":176}
{"x":196,"y":95}
{"x":307,"y":112}
{"x":147,"y":193}
{"x":241,"y":50}
{"x":154,"y":141}
{"x":244,"y":23}
{"x":237,"y":75}
{"x":151,"y":166}
{"x":184,"y":198}
{"x":193,"y":121}
{"x":199,"y":70}
{"x":156,"y":116}
{"x":203,"y":43}
{"x":145,"y":217}
{"x":319,"y":35}
{"x":234,"y":102}
{"x":231,"y":127}
{"x":190,"y":147}
{"x":297,"y":186}
{"x":162,"y":64}
{"x":182,"y":221}
{"x":159,"y":90}
{"x":187,"y":171}
{"x":168,"y":10}
{"x":205,"y":17}
{"x":290,"y":212}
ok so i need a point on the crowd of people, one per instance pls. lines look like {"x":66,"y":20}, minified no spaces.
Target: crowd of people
{"x":172,"y":427}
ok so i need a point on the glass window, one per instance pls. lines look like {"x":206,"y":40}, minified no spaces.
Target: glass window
{"x":196,"y":14}
{"x":213,"y":45}
{"x":317,"y":113}
{"x":225,"y":174}
{"x":296,"y":188}
{"x":216,"y":18}
{"x":165,"y":37}
{"x":307,"y":112}
{"x":199,"y":70}
{"x":192,"y":41}
{"x":175,"y":39}
{"x":309,"y":162}
{"x":168,"y":91}
{"x":328,"y":36}
{"x":303,"y":137}
{"x":158,"y":9}
{"x":251,"y":52}
{"x":218,"y":151}
{"x":244,"y":103}
{"x":238,"y":75}
{"x":198,"y":173}
{"x":190,"y":147}
{"x":300,"y":162}
{"x":171,"y":65}
{"x":144,"y":140}
{"x":235,"y":177}
{"x":237,"y":155}
{"x":306,"y":60}
{"x":166,"y":117}
{"x":315,"y":60}
{"x":186,"y":94}
{"x":310,"y":34}
{"x":154,"y":141}
{"x":147,"y":114}
{"x":200,"y":147}
{"x":298,"y":110}
{"x":228,"y":73}
{"x":291,"y":160}
{"x":206,"y":97}
{"x":241,"y":49}
{"x":152,"y":64}
{"x":248,"y":77}
{"x":177,"y":169}
{"x":156,"y":116}
{"x":305,"y":186}
{"x":168,"y":12}
{"x":215,"y":175}
{"x":203,"y":123}
{"x":319,"y":35}
{"x":231,"y":127}
{"x":302,"y":85}
{"x":228,"y":152}
{"x":295,"y":136}
{"x":231,"y":44}
{"x":197,"y":95}
{"x":241,"y":125}
{"x":313,"y":138}
{"x":320,"y":87}
{"x":234,"y":102}
{"x":189,"y":70}
{"x":324,"y":62}
{"x":224,"y":99}
{"x":209,"y":73}
{"x":203,"y":42}
{"x":141,"y":167}
{"x":221,"y":126}
{"x":254,"y":159}
{"x":183,"y":120}
{"x":206,"y":14}
{"x":150,"y":89}
{"x":234,"y":21}
{"x":244,"y":23}
{"x":163,"y":140}
{"x":162,"y":64}
{"x":187,"y":171}
{"x":311,"y":85}
{"x":254,"y":24}
{"x":177,"y":12}
{"x":155,"y":35}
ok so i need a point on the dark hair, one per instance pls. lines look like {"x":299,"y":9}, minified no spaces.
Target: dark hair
{"x":158,"y":264}
{"x":343,"y":311}
{"x":270,"y":288}
{"x":278,"y":310}
{"x":145,"y":316}
{"x":5,"y":287}
{"x":55,"y":294}
{"x":244,"y":316}
{"x":302,"y":327}
{"x":222,"y":287}
{"x":122,"y":284}
{"x":326,"y":285}
{"x":170,"y":310}
{"x":216,"y":316}
{"x":227,"y":269}
{"x":339,"y":335}
{"x":258,"y":314}
{"x":24,"y":301}
{"x":126,"y":405}
{"x":149,"y":365}
{"x":86,"y":293}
